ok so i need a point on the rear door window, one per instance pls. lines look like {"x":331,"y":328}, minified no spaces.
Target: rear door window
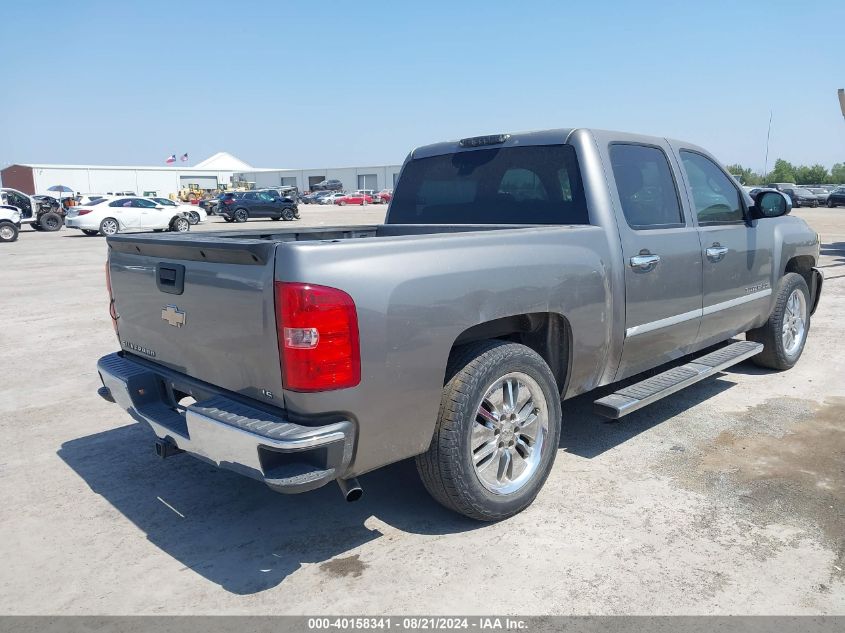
{"x":646,"y":186}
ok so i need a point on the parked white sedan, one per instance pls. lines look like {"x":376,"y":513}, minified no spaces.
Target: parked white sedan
{"x":329,"y":199}
{"x":113,"y":214}
{"x":196,"y":214}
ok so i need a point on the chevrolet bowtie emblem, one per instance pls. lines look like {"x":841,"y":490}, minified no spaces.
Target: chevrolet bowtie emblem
{"x":173,"y":315}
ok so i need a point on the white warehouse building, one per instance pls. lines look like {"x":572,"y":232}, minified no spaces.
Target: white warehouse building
{"x":217,"y":172}
{"x":161,"y":180}
{"x":376,"y":177}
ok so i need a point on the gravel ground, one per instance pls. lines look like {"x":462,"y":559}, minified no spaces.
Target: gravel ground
{"x":726,"y":498}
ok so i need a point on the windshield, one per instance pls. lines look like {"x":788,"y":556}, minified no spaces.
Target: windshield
{"x":514,"y":185}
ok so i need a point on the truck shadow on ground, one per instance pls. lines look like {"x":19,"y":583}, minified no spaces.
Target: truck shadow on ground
{"x":240,"y":535}
{"x":235,"y":531}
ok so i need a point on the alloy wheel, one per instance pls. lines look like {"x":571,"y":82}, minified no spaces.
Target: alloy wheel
{"x":794,"y":322}
{"x":511,"y":424}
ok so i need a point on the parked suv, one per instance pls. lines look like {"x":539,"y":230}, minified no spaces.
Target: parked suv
{"x":328,"y":185}
{"x":240,"y":206}
{"x":836,"y":197}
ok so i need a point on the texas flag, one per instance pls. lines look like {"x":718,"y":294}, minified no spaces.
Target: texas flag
{"x":171,"y":159}
{"x":184,"y":157}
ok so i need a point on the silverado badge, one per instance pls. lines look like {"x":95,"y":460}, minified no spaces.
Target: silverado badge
{"x":173,"y":315}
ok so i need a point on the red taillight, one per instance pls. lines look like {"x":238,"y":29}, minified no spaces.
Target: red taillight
{"x":112,"y":310}
{"x":318,"y":337}
{"x":228,"y":201}
{"x":84,"y":211}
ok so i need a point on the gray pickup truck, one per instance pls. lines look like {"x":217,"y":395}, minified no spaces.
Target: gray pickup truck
{"x":512,"y":272}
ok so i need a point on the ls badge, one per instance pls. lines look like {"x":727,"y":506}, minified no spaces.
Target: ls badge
{"x":173,"y":315}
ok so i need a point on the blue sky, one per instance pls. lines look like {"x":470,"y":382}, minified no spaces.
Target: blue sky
{"x":307,"y":84}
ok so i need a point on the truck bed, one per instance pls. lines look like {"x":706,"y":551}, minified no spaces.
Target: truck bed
{"x":415,"y":289}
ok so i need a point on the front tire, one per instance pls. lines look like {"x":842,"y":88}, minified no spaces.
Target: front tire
{"x":831,"y":204}
{"x":785,"y":333}
{"x":180,"y":225}
{"x":50,"y":221}
{"x":287,"y":214}
{"x":497,"y":431}
{"x":8,"y":232}
{"x":109,"y":226}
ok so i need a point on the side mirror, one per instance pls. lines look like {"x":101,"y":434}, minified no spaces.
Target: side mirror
{"x":770,"y":204}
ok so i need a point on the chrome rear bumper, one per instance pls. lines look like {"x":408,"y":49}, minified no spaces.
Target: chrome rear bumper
{"x":288,"y":457}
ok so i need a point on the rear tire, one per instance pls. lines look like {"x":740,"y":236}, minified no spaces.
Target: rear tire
{"x":109,"y":226}
{"x":831,"y":204}
{"x":241,"y":215}
{"x":466,"y":468}
{"x":785,"y":333}
{"x":8,"y":232}
{"x":50,"y":221}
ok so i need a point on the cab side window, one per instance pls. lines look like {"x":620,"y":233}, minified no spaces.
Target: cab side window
{"x":717,"y":200}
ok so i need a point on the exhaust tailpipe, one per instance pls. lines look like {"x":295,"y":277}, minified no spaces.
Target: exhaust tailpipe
{"x":350,"y":489}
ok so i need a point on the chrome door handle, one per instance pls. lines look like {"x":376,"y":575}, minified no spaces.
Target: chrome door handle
{"x":645,"y":263}
{"x":717,"y":252}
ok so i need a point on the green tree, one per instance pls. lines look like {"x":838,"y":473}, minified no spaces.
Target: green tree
{"x":784,"y":171}
{"x":746,"y":176}
{"x":815,"y":174}
{"x":837,"y":174}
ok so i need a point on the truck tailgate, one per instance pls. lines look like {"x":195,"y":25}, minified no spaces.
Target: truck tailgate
{"x":200,"y":307}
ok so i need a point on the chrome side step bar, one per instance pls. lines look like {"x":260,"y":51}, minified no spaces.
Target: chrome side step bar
{"x":645,"y":392}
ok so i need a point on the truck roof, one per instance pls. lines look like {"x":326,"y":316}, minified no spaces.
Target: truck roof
{"x":537,"y":137}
